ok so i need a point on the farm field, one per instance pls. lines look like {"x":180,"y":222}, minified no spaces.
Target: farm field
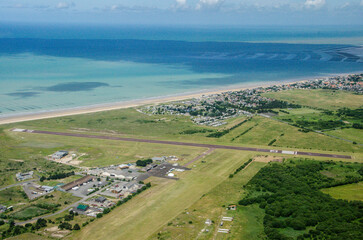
{"x":165,"y":200}
{"x":319,"y":98}
{"x":350,"y":192}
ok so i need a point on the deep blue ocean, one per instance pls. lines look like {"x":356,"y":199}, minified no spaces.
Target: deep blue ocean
{"x":46,"y":67}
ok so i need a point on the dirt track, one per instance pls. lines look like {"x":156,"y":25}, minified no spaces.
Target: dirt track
{"x":189,"y":144}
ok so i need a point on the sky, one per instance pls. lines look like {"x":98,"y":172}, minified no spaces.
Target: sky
{"x":184,"y":12}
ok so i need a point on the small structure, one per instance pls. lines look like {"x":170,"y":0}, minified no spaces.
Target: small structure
{"x":82,"y":207}
{"x":24,"y":176}
{"x":3,"y":208}
{"x":158,"y":159}
{"x":208,"y":222}
{"x":60,"y":154}
{"x":221,"y":230}
{"x":100,"y":199}
{"x":228,"y":219}
{"x":124,"y":166}
{"x":232,"y":207}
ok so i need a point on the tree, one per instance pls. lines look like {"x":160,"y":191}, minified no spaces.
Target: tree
{"x":65,"y":225}
{"x":76,"y":227}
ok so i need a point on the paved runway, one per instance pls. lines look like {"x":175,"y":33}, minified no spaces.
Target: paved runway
{"x":191,"y":144}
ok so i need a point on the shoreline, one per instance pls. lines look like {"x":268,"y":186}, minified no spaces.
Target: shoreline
{"x":22,"y":117}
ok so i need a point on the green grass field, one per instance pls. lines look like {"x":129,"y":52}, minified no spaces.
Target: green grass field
{"x":319,"y":98}
{"x":349,"y":192}
{"x":348,"y":133}
{"x":29,"y":212}
{"x":165,"y":200}
{"x":29,"y":236}
{"x":108,"y":152}
{"x":247,"y":222}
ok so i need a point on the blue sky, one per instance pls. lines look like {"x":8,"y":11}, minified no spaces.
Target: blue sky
{"x":189,"y":12}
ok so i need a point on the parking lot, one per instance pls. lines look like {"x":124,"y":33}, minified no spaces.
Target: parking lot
{"x":163,"y":169}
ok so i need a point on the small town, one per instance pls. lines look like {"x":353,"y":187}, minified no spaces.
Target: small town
{"x":213,"y":110}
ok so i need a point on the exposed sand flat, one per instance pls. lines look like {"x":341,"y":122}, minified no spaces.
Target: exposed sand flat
{"x":22,"y":117}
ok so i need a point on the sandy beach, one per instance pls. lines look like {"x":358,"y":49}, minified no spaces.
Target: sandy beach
{"x":22,"y":117}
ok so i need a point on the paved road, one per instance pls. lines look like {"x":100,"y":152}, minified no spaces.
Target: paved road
{"x":189,"y":144}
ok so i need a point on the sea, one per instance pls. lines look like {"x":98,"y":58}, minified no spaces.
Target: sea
{"x":51,"y":67}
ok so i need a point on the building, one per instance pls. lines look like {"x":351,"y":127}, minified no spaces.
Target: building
{"x":47,"y":189}
{"x":131,"y":187}
{"x":158,"y":159}
{"x":60,"y":154}
{"x":24,"y":176}
{"x":82,"y":207}
{"x":100,"y":199}
{"x":77,"y":183}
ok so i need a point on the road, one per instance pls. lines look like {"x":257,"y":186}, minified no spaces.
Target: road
{"x":60,"y":211}
{"x":190,"y":144}
{"x":19,"y":184}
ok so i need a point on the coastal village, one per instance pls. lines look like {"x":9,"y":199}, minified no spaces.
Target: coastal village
{"x":213,"y":110}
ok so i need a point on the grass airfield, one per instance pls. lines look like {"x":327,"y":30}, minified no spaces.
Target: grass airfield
{"x":166,"y":209}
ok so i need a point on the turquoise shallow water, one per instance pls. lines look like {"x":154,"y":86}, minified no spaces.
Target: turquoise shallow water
{"x":44,"y":68}
{"x":31,"y":83}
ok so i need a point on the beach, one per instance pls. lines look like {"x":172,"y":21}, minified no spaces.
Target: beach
{"x":22,"y":117}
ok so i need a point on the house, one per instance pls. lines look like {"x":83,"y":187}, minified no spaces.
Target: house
{"x":82,"y":207}
{"x":24,"y":176}
{"x":100,"y":199}
{"x":59,"y":154}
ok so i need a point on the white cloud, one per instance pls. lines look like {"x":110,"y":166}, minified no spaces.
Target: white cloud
{"x":64,"y":5}
{"x":207,"y":4}
{"x":361,"y":3}
{"x":314,"y":3}
{"x":181,"y":2}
